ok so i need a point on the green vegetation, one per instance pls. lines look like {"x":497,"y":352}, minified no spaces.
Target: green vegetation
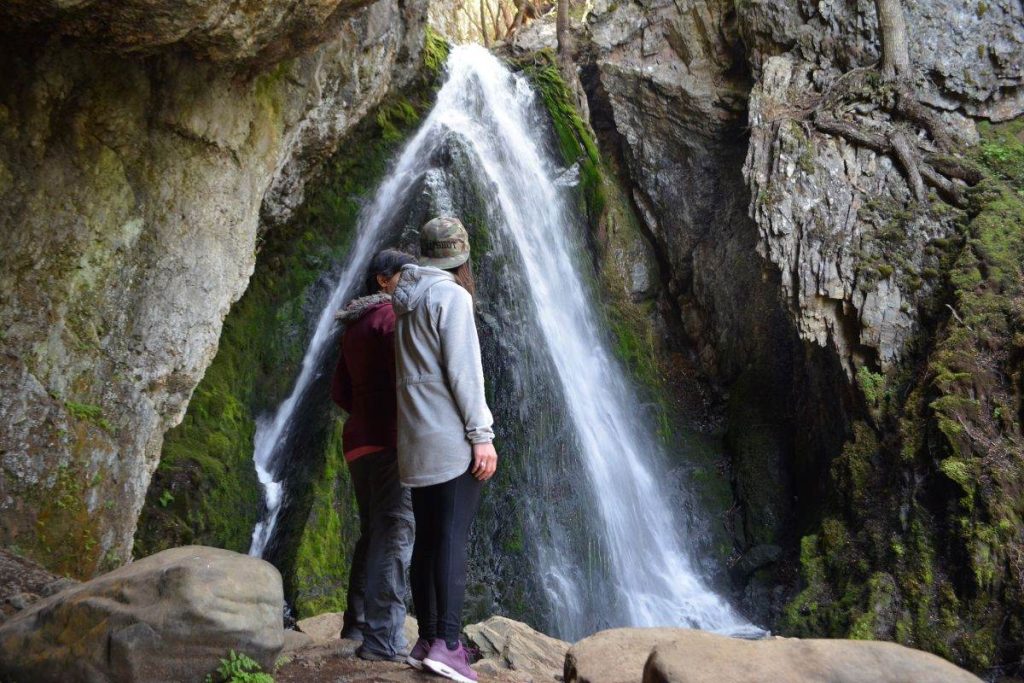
{"x":934,"y":562}
{"x":239,"y":668}
{"x":321,"y":565}
{"x":435,"y":53}
{"x":572,"y":133}
{"x":90,"y":413}
{"x":63,"y":515}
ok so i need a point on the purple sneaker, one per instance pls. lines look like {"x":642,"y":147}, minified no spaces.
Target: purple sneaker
{"x":418,"y":654}
{"x":453,"y":664}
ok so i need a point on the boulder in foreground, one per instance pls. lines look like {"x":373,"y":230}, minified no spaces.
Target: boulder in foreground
{"x":666,"y":655}
{"x":169,"y":617}
{"x":508,"y":644}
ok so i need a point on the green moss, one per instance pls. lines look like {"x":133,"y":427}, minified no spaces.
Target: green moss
{"x":959,"y":471}
{"x":575,"y":140}
{"x":67,"y":533}
{"x":322,"y":558}
{"x":872,"y":387}
{"x":396,"y":117}
{"x":90,"y":413}
{"x":806,"y":615}
{"x":870,"y":624}
{"x":805,"y":162}
{"x":435,"y":52}
{"x":852,"y":470}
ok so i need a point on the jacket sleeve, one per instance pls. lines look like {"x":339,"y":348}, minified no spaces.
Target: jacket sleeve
{"x":341,"y":383}
{"x":460,"y":351}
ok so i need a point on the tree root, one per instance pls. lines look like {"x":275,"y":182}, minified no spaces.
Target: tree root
{"x":911,"y":108}
{"x":938,"y":171}
{"x":908,"y":158}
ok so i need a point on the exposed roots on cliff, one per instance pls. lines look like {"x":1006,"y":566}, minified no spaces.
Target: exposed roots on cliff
{"x":933,"y":162}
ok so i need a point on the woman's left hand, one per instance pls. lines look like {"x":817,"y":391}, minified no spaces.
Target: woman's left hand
{"x":485,"y":461}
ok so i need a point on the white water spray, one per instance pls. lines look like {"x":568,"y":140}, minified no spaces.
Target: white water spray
{"x":492,"y":112}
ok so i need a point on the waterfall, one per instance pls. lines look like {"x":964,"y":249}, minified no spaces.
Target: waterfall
{"x":493,"y":117}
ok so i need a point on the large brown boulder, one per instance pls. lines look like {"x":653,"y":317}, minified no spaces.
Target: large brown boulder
{"x":169,"y":617}
{"x":665,"y":655}
{"x":614,"y":656}
{"x":697,"y":657}
{"x":508,"y":644}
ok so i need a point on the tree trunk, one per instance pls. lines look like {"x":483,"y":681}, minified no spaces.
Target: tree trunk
{"x":506,"y":19}
{"x":483,"y":23}
{"x":520,"y":16}
{"x":564,"y":40}
{"x":892,"y":29}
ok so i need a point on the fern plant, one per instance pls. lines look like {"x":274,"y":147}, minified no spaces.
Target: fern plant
{"x":239,"y":668}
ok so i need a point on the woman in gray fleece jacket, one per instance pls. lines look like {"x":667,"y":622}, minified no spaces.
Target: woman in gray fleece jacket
{"x":444,"y":435}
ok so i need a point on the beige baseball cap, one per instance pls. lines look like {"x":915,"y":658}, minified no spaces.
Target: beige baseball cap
{"x":444,"y":243}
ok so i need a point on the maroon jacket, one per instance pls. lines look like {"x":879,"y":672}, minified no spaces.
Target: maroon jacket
{"x":364,"y":379}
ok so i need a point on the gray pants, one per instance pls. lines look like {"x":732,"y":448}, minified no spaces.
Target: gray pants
{"x":377,"y":582}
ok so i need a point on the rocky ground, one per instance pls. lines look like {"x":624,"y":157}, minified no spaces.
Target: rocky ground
{"x":176,"y":615}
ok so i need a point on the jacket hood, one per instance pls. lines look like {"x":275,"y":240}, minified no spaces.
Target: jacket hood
{"x":357,"y":308}
{"x":413,"y":285}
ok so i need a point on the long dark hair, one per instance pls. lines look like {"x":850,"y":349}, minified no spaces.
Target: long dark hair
{"x":386,"y":262}
{"x":464,"y":276}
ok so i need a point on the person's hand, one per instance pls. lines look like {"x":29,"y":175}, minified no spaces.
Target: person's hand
{"x":485,"y":461}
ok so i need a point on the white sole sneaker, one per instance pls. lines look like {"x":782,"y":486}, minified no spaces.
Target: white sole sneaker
{"x":446,"y":671}
{"x":414,"y":663}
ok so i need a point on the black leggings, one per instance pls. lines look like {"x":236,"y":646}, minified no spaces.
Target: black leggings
{"x":444,"y":513}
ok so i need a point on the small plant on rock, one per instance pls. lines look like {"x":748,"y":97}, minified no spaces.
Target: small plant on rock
{"x":238,"y":667}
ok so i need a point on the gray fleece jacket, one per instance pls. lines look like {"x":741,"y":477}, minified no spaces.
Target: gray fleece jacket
{"x":442,"y":409}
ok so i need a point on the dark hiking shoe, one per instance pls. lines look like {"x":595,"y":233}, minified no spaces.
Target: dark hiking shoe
{"x":418,"y":654}
{"x":352,"y":633}
{"x":371,"y":656}
{"x":453,"y":664}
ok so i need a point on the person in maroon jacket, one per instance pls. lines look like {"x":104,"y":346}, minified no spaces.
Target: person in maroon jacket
{"x":364,"y":387}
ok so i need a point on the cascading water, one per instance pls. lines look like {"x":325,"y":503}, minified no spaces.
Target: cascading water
{"x":492,"y":116}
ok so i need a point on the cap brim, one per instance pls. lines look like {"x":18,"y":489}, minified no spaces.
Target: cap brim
{"x":445,"y":263}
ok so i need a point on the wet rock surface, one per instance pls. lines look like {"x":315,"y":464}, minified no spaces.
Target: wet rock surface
{"x":169,"y":617}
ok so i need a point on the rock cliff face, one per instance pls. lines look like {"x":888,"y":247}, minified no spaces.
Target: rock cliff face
{"x":667,"y":92}
{"x":140,"y":145}
{"x":838,"y":220}
{"x":816,"y":291}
